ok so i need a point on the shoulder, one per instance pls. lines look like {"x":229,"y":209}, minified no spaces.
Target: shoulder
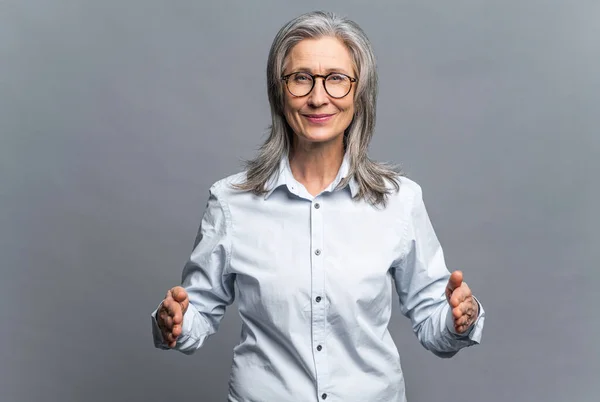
{"x":220,"y":195}
{"x":409,"y":190}
{"x":410,"y":185}
{"x":224,"y":188}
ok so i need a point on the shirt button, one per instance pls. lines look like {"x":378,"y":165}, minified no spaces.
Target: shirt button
{"x":317,"y":205}
{"x":319,"y":348}
{"x":318,"y":299}
{"x":324,"y":396}
{"x":318,"y":252}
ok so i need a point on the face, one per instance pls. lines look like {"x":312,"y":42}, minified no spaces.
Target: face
{"x":317,"y":117}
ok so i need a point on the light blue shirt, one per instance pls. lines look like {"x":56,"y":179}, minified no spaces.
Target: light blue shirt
{"x":314,"y":276}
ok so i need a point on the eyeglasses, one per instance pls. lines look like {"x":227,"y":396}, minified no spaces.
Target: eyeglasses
{"x":337,"y":85}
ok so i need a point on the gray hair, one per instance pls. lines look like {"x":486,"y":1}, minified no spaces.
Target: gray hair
{"x":371,"y":177}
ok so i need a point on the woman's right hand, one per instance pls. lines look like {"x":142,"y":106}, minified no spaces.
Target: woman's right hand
{"x":170,"y":314}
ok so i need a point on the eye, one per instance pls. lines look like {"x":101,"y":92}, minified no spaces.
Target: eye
{"x":337,"y":78}
{"x":301,"y":78}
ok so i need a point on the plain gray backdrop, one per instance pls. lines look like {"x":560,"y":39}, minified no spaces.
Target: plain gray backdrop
{"x":116,"y":117}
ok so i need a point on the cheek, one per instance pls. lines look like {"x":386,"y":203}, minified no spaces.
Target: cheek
{"x":351,"y":110}
{"x":288,"y":115}
{"x":348,"y":113}
{"x":290,"y":111}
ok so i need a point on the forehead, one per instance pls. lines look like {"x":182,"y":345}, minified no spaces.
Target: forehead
{"x":319,"y":56}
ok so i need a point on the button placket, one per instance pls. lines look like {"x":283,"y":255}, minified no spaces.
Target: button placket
{"x":318,"y":323}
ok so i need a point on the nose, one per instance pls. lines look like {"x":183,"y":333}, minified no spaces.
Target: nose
{"x":318,"y":96}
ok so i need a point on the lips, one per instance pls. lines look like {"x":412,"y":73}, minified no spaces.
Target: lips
{"x":318,"y":118}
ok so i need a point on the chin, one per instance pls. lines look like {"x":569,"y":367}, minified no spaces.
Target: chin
{"x":320,"y":136}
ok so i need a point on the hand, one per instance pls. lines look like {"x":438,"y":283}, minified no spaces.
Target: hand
{"x":465,"y":309}
{"x":170,"y":314}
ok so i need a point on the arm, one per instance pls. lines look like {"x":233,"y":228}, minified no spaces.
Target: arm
{"x":421,"y":278}
{"x":206,"y":280}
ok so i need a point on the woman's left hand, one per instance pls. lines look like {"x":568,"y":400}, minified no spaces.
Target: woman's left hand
{"x":465,"y":309}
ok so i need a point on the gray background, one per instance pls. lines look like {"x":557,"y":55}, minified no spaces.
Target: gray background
{"x":116,"y":116}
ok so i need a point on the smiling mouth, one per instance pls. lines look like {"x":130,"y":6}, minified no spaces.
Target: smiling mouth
{"x":318,"y":118}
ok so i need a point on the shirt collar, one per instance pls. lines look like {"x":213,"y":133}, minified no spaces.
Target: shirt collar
{"x":285,"y":177}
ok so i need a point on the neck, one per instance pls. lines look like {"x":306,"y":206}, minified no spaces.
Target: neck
{"x":316,"y":165}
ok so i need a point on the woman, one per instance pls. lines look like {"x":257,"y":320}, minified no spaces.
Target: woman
{"x":313,"y":234}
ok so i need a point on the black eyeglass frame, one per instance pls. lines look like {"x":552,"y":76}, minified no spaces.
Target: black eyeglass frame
{"x":313,"y":76}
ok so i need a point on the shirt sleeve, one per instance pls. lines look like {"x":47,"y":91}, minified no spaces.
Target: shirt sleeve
{"x":206,"y":279}
{"x":420,"y":277}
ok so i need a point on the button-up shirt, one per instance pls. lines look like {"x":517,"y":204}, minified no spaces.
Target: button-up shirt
{"x":315,"y":276}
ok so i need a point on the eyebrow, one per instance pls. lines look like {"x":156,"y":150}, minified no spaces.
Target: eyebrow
{"x":327,"y":71}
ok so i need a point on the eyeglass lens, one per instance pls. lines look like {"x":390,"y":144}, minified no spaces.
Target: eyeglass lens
{"x":336,"y":85}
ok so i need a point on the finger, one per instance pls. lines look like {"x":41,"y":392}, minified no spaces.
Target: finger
{"x":178,"y":316}
{"x":171,"y":342}
{"x":171,"y":334}
{"x":467,"y":306}
{"x":167,"y":336}
{"x":184,"y":304}
{"x":460,"y":295}
{"x":462,"y":324}
{"x":472,"y":307}
{"x":457,"y":298}
{"x":168,"y":321}
{"x":179,"y":294}
{"x":175,"y":333}
{"x":172,"y":315}
{"x":163,"y":316}
{"x":466,"y":310}
{"x":461,"y":328}
{"x":462,"y":321}
{"x":173,"y":307}
{"x":455,"y":280}
{"x":166,"y":306}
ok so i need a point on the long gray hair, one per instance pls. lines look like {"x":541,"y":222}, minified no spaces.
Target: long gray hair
{"x":370,"y":176}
